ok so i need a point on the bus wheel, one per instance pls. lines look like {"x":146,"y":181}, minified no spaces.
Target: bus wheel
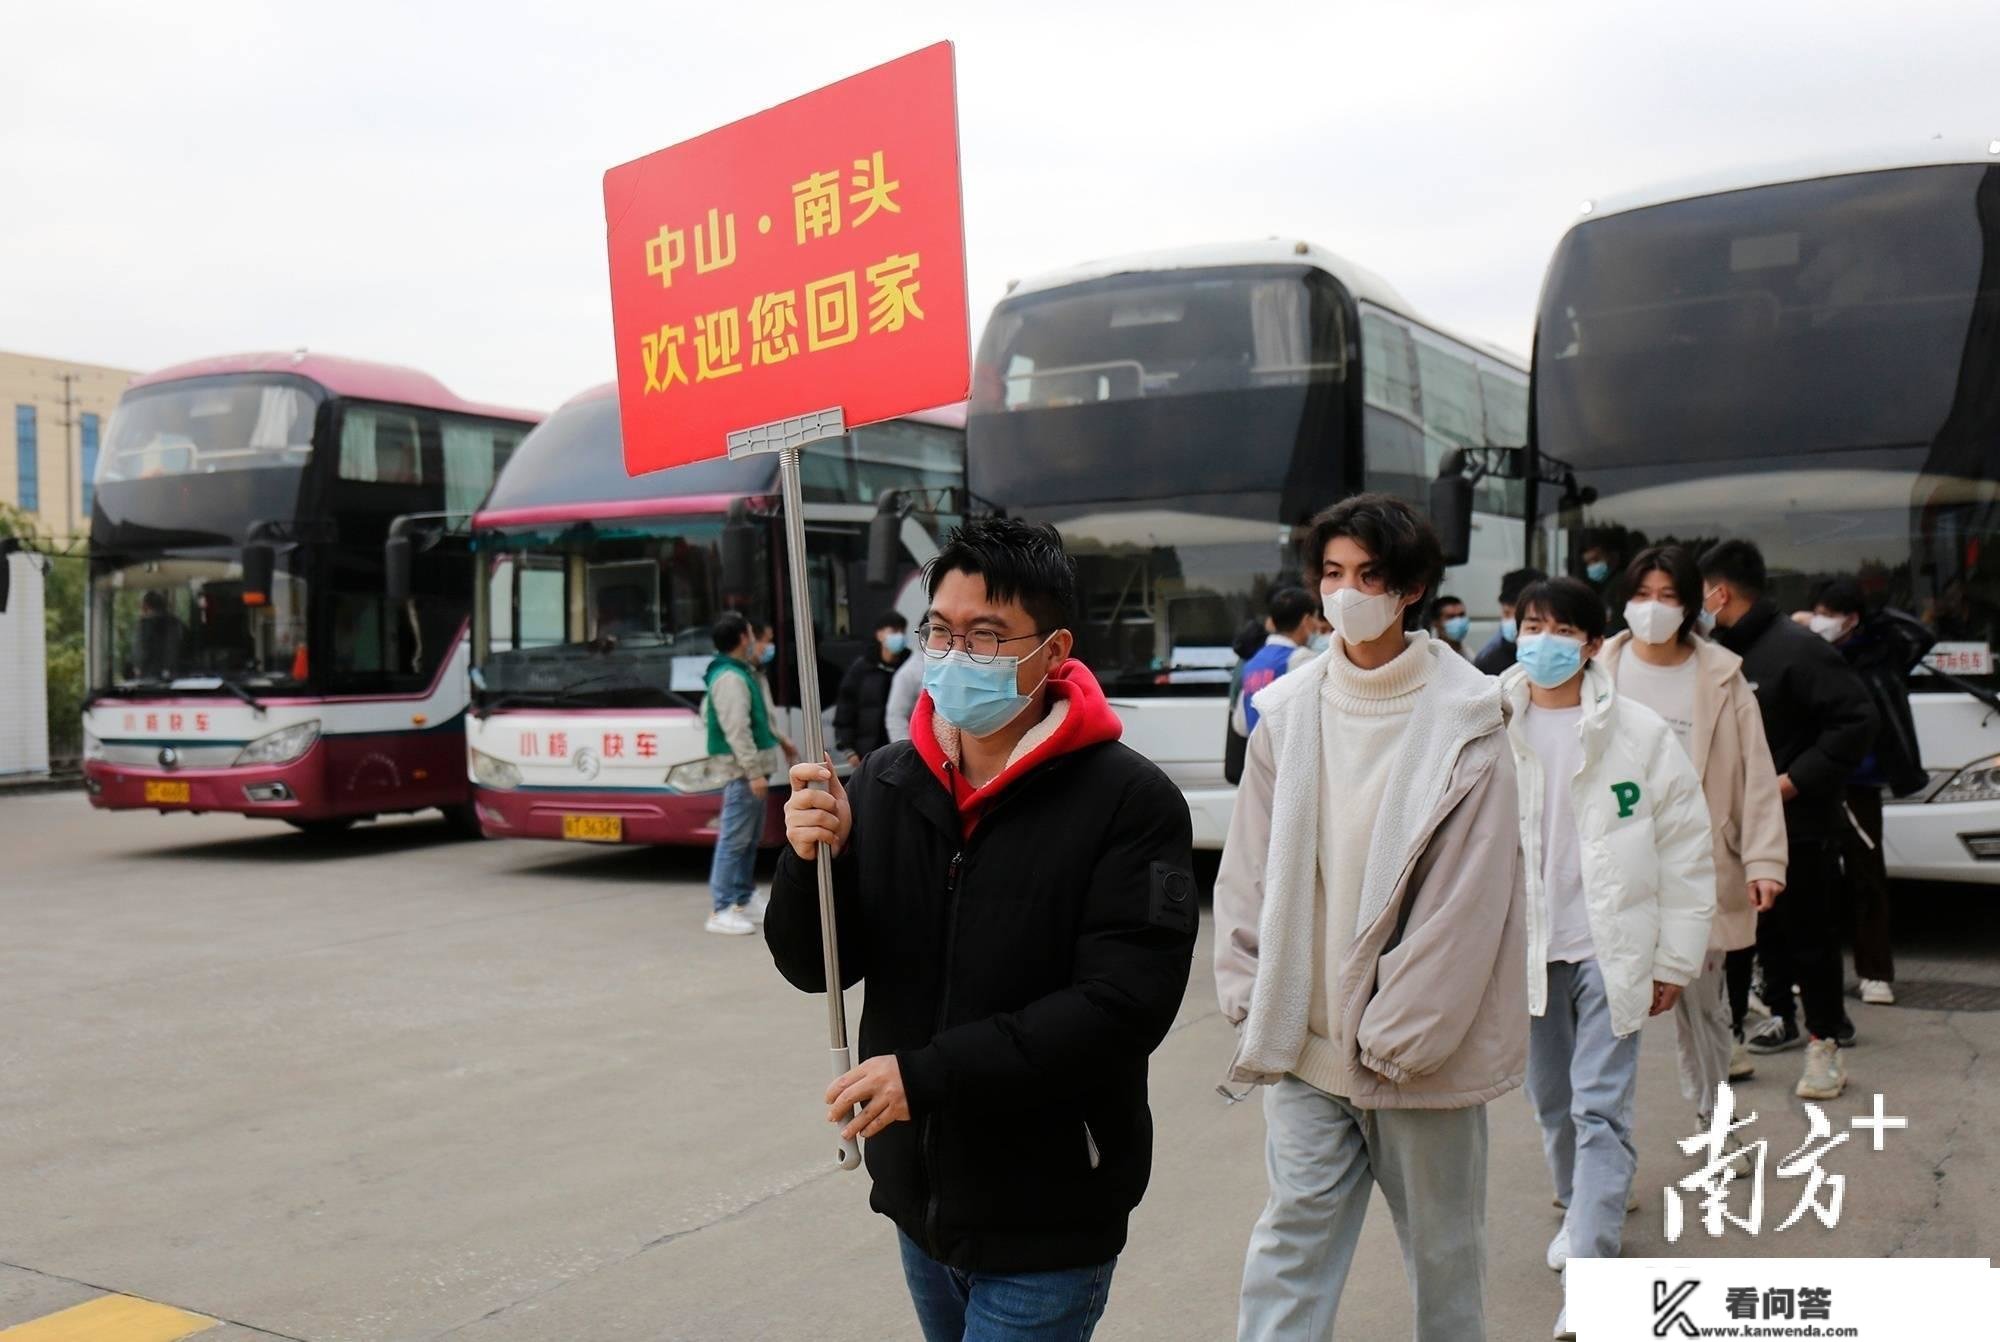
{"x":323,"y":829}
{"x":464,"y":821}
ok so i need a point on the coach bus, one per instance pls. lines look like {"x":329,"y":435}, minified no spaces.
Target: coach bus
{"x":242,"y":654}
{"x":599,"y":591}
{"x":1179,"y":416}
{"x":1808,"y":358}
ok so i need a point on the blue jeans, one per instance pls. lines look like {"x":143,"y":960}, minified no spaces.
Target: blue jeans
{"x":732,"y":874}
{"x":1581,"y":1078}
{"x":954,"y":1306}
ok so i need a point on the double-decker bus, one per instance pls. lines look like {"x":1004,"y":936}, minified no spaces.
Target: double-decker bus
{"x":598,"y":593}
{"x":1808,"y":358}
{"x":1180,"y":415}
{"x":243,"y":655}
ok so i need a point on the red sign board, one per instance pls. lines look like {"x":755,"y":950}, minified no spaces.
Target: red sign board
{"x":808,"y":257}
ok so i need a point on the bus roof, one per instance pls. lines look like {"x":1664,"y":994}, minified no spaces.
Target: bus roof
{"x":1364,"y":284}
{"x":358,"y":378}
{"x":1928,"y":153}
{"x":573,"y":467}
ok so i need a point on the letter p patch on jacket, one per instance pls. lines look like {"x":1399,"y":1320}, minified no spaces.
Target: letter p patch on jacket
{"x":1627,"y":796}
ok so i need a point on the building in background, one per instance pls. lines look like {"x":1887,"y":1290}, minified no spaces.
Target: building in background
{"x":53,"y":413}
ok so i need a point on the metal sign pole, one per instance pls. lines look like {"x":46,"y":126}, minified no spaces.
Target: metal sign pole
{"x":788,"y":438}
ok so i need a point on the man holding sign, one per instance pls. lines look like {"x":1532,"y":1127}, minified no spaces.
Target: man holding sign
{"x":1015,"y":887}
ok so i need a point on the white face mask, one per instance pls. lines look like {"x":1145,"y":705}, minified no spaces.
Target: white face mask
{"x":1358,"y":617}
{"x":1828,"y":627}
{"x":1653,"y":621}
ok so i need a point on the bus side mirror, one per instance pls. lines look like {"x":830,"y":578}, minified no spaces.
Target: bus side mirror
{"x":739,"y":555}
{"x":398,"y":558}
{"x":260,"y":566}
{"x":1451,"y":516}
{"x":885,"y":542}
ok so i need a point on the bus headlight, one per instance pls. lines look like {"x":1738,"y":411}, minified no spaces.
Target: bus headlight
{"x":282,"y":746}
{"x":1978,"y":781}
{"x":706,"y":774}
{"x":488,"y":771}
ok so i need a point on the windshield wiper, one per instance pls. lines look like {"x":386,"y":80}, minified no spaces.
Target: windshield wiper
{"x":242,"y":694}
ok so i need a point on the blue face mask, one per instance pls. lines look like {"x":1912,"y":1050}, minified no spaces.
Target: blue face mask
{"x":768,"y":655}
{"x":895,"y":644}
{"x":1510,"y":630}
{"x":977,"y":699}
{"x":1457,"y":627}
{"x":1597,"y":571}
{"x":1320,"y":642}
{"x":1550,"y":659}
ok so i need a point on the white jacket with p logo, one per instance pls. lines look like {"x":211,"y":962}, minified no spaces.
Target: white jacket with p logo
{"x":1645,"y":841}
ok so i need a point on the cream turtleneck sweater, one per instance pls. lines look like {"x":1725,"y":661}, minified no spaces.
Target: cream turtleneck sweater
{"x":1362,"y":716}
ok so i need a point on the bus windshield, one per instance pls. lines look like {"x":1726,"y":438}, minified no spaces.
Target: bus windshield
{"x":598,"y":612}
{"x":1172,"y":424}
{"x":205,"y":425}
{"x":183,"y":621}
{"x":1812,"y":366}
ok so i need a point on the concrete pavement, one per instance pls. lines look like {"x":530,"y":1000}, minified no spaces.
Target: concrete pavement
{"x":395,"y":1086}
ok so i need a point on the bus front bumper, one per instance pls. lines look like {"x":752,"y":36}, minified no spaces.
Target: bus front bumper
{"x":294,"y":791}
{"x":578,"y":814}
{"x":1942,"y":841}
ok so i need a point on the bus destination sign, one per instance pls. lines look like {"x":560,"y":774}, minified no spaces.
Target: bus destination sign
{"x":806,"y":258}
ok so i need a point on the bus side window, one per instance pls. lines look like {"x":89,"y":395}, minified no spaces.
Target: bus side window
{"x":380,"y":446}
{"x":1391,"y":423}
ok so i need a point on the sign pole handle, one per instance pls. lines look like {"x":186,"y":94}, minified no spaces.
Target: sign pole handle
{"x":813,"y":749}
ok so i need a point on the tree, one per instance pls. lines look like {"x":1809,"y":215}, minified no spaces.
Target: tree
{"x":65,"y":577}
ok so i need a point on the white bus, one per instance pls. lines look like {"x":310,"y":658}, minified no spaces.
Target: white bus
{"x":1179,"y":416}
{"x":1808,"y":358}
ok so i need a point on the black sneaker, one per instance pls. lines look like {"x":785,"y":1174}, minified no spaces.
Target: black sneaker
{"x":1775,"y":1036}
{"x":1844,"y":1036}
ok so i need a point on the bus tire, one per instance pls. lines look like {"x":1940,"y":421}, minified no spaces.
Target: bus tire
{"x":463,"y":820}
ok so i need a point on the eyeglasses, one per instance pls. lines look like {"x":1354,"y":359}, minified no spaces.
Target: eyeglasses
{"x":981,"y":645}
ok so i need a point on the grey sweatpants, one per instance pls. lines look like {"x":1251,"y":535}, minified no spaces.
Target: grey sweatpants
{"x":1322,"y":1155}
{"x":1701,"y":1030}
{"x":1581,"y":1078}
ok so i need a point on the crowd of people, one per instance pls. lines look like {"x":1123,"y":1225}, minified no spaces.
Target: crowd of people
{"x":1448,"y":874}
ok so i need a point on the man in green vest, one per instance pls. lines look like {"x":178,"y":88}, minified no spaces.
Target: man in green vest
{"x":743,"y":746}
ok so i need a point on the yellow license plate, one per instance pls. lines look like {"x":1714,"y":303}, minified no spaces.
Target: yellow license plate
{"x":176,"y":793}
{"x":594,"y":828}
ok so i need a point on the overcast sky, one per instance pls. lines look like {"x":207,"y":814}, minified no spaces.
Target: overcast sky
{"x":421,"y":182}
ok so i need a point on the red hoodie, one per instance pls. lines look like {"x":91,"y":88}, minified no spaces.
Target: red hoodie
{"x":1089,"y":721}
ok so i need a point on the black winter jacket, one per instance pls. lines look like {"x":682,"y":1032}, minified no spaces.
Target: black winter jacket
{"x":1817,"y":715}
{"x":1021,"y":977}
{"x":1883,"y":649}
{"x":861,"y":713}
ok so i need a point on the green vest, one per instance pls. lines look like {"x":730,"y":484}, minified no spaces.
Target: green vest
{"x":760,"y":718}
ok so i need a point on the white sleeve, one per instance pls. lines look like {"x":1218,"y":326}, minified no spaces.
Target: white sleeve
{"x":907,"y":683}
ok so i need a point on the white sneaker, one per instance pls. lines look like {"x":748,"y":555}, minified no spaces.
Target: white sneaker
{"x":1559,"y":1249}
{"x":1564,"y":1333}
{"x":730,"y":923}
{"x":1756,"y":1006}
{"x":754,"y":910}
{"x":1824,"y":1077}
{"x":1740,"y":1066}
{"x":1878,"y":992}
